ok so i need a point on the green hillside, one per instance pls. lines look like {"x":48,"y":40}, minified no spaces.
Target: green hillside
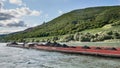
{"x":93,"y":20}
{"x":107,"y":33}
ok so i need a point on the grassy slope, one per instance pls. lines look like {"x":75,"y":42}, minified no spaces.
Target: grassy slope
{"x":104,"y":28}
{"x":107,"y":27}
{"x":86,"y":20}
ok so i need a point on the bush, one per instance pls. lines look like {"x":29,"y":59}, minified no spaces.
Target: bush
{"x":55,"y":38}
{"x":116,"y":23}
{"x":67,"y":38}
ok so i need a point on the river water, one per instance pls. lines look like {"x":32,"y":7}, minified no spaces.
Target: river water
{"x":29,"y":58}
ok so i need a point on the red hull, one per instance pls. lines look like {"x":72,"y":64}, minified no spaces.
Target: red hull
{"x":79,"y":50}
{"x":103,"y":51}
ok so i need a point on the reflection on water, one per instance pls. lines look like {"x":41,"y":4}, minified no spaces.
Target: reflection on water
{"x":29,"y":58}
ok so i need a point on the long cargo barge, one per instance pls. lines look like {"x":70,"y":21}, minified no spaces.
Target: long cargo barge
{"x":86,"y":50}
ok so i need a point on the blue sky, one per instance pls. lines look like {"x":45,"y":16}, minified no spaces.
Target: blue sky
{"x":35,"y":12}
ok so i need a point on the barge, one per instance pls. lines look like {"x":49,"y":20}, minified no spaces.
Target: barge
{"x":86,"y":50}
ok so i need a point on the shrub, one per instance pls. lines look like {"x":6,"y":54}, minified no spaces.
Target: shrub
{"x":67,"y":38}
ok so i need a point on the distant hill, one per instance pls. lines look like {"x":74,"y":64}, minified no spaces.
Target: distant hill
{"x":79,"y":20}
{"x":2,"y":35}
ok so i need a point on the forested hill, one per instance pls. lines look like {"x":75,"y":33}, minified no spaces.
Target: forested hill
{"x":72,"y":22}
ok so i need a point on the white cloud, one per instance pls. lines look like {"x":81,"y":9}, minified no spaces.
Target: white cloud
{"x":1,"y":24}
{"x":12,"y":23}
{"x":16,"y":2}
{"x":60,"y":12}
{"x":36,"y":13}
{"x":23,"y":11}
{"x":8,"y":30}
{"x":12,"y":17}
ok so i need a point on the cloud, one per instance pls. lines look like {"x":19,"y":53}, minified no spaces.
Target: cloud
{"x":1,"y":24}
{"x":5,"y":31}
{"x":11,"y":20}
{"x":12,"y":23}
{"x":5,"y":16}
{"x":12,"y":17}
{"x":8,"y":30}
{"x":17,"y":24}
{"x":20,"y":12}
{"x":1,"y":4}
{"x":16,"y":2}
{"x":60,"y":12}
{"x":35,"y":13}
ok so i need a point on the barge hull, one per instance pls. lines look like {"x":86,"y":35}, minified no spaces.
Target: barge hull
{"x":83,"y":52}
{"x":77,"y":50}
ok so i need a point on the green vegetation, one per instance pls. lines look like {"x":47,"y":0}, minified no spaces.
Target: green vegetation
{"x":88,"y":21}
{"x":88,"y":37}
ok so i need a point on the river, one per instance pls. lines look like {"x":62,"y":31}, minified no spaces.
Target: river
{"x":11,"y":57}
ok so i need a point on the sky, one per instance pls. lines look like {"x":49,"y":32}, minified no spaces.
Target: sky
{"x":17,"y":15}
